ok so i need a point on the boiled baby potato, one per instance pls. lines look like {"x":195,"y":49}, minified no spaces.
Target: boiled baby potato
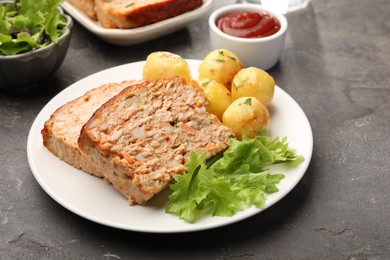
{"x":220,"y":65}
{"x":246,"y":115}
{"x":162,"y":64}
{"x":253,"y":82}
{"x":217,"y":94}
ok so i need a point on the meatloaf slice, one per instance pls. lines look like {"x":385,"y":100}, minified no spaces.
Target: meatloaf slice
{"x":135,"y":13}
{"x":143,"y":136}
{"x":85,"y":6}
{"x":61,"y":131}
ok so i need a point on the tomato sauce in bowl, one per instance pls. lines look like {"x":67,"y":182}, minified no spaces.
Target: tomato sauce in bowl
{"x":247,"y":24}
{"x":254,"y":33}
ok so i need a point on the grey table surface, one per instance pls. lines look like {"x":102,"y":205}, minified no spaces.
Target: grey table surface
{"x":336,"y":65}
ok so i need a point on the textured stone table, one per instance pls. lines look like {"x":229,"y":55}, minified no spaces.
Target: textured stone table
{"x":336,"y":65}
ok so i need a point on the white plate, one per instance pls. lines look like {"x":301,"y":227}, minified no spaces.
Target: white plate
{"x":127,"y":37}
{"x":94,"y":199}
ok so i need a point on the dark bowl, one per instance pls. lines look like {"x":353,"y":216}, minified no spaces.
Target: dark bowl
{"x":21,"y":71}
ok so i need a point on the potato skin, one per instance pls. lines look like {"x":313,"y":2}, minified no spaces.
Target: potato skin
{"x":246,"y":115}
{"x":217,"y":94}
{"x":162,"y":64}
{"x":253,"y":82}
{"x":220,"y":65}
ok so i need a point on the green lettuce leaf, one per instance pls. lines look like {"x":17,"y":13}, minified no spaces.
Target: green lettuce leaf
{"x":29,"y":25}
{"x":225,"y":185}
{"x":188,"y":190}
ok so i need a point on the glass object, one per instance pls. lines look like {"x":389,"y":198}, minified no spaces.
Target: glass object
{"x":283,"y":6}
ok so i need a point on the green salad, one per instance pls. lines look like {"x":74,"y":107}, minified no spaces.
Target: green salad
{"x":232,"y":182}
{"x":27,"y":25}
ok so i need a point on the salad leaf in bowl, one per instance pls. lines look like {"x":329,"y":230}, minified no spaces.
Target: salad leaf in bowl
{"x":27,"y":25}
{"x":34,"y":39}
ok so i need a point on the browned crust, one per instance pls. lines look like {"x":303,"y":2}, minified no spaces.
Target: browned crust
{"x":85,"y":6}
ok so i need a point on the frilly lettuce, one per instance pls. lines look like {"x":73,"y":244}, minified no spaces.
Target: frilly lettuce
{"x":237,"y":180}
{"x":26,"y":25}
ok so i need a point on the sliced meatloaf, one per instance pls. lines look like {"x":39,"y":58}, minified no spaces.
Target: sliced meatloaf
{"x":61,"y":132}
{"x":126,"y":14}
{"x":85,"y":6}
{"x":143,"y":136}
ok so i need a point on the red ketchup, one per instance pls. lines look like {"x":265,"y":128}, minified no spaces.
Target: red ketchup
{"x":248,"y":24}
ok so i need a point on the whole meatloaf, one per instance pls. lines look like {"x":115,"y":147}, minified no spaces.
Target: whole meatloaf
{"x":61,"y":131}
{"x":143,"y":136}
{"x":126,"y":14}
